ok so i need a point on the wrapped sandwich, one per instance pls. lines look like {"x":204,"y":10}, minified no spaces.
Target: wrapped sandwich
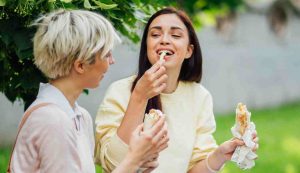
{"x":151,"y":118}
{"x":242,"y":118}
{"x":243,"y":129}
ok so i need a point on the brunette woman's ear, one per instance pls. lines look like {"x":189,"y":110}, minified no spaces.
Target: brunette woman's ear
{"x":190,"y":51}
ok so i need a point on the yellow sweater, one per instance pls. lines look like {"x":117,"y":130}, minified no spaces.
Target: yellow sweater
{"x":190,"y":118}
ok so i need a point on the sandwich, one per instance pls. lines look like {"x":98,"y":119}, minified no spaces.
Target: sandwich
{"x":162,"y":55}
{"x":242,"y":118}
{"x":151,"y":118}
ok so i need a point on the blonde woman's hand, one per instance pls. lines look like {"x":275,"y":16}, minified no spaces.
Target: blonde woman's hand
{"x":153,"y":82}
{"x":144,"y":146}
{"x":149,"y":166}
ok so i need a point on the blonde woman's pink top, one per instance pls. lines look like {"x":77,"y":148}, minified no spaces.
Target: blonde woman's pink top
{"x":56,"y":138}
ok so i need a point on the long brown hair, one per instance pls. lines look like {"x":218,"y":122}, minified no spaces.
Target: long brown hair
{"x":191,"y":69}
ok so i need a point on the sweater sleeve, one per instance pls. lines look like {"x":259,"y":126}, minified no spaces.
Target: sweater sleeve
{"x":110,"y":149}
{"x":206,"y":126}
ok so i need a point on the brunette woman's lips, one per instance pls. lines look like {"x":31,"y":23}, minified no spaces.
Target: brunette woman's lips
{"x":167,"y":58}
{"x":168,"y":51}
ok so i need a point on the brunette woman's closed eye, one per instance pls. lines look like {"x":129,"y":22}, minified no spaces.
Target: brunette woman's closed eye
{"x":176,"y":36}
{"x":155,"y":35}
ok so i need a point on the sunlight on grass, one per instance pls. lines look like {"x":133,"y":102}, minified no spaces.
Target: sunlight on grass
{"x":290,"y":169}
{"x":290,"y":144}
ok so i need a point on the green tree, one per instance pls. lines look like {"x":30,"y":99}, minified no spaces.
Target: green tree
{"x":20,"y":79}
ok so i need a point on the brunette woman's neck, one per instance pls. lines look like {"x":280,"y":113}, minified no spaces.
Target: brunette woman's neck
{"x":172,"y":81}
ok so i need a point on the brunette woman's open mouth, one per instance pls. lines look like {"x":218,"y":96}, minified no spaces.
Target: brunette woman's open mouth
{"x":165,"y":54}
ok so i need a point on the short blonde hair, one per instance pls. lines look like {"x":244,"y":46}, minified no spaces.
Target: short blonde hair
{"x":65,"y":36}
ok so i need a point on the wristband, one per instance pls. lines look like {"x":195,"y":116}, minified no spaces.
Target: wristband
{"x":209,"y":168}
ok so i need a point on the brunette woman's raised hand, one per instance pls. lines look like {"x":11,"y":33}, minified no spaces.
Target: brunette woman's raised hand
{"x":153,"y":82}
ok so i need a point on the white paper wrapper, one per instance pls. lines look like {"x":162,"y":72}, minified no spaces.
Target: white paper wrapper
{"x":243,"y":129}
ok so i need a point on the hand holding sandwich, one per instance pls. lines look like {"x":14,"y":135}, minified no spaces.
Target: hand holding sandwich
{"x":227,"y":150}
{"x":144,"y":146}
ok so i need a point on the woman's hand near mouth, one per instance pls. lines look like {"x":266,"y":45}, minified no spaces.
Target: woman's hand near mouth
{"x":153,"y":82}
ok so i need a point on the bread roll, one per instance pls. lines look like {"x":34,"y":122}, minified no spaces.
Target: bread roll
{"x":242,"y":118}
{"x":162,"y":55}
{"x":151,"y":118}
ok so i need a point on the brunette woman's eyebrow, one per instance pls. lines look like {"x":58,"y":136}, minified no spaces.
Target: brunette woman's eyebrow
{"x":155,"y":27}
{"x":176,"y":27}
{"x":172,"y":28}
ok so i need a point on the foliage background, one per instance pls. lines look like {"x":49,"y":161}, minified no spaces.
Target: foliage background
{"x":20,"y":79}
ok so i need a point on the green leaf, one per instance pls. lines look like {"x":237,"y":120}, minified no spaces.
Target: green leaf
{"x":22,"y":41}
{"x":25,"y":54}
{"x":86,"y":91}
{"x":136,"y":2}
{"x":113,"y":15}
{"x":10,"y":95}
{"x":87,"y":5}
{"x":109,"y":1}
{"x":51,"y":5}
{"x":7,"y":31}
{"x":66,"y":1}
{"x":7,"y":39}
{"x":2,"y":3}
{"x":69,"y":5}
{"x":105,"y":6}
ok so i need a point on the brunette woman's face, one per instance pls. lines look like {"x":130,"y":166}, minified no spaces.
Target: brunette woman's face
{"x":168,"y":33}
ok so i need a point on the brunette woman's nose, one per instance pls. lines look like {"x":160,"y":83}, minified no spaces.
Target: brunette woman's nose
{"x":165,"y":40}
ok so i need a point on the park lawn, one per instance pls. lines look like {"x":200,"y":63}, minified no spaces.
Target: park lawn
{"x":279,"y":146}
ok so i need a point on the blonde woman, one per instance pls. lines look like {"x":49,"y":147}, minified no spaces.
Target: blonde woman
{"x":73,"y":50}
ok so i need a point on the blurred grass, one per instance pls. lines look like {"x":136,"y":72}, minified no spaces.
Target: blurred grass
{"x":279,"y":146}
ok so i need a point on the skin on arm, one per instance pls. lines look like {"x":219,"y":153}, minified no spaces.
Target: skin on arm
{"x":218,"y":157}
{"x":149,"y":85}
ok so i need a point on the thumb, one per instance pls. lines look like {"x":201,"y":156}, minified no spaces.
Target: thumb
{"x":138,"y":129}
{"x":237,"y":142}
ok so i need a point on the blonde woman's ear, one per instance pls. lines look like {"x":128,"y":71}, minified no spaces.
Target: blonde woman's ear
{"x":79,"y":66}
